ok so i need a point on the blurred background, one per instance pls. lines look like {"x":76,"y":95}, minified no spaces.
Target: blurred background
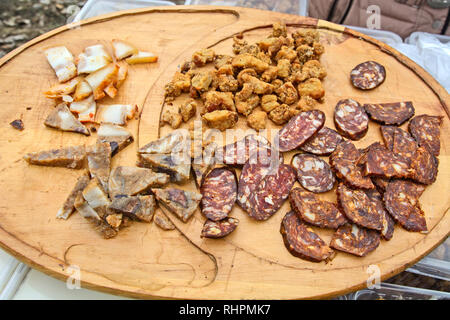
{"x":417,"y":28}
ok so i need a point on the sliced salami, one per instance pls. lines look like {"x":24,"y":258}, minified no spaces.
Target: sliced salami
{"x":252,"y":147}
{"x":388,"y":223}
{"x":313,"y":173}
{"x":368,"y":75}
{"x":355,"y":240}
{"x":424,"y":166}
{"x":380,"y":183}
{"x":300,"y":129}
{"x":357,"y":207}
{"x":350,"y":119}
{"x":301,"y":241}
{"x":271,"y":192}
{"x":251,"y":176}
{"x":387,"y":133}
{"x":401,"y":200}
{"x":323,"y":143}
{"x":219,"y":192}
{"x":403,"y":144}
{"x":426,"y":130}
{"x":219,"y":229}
{"x":344,"y":162}
{"x":314,"y":211}
{"x":383,"y":162}
{"x":394,"y":113}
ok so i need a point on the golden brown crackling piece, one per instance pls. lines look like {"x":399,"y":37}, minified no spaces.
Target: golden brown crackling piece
{"x":219,"y":229}
{"x":269,"y":102}
{"x":311,"y":69}
{"x":221,"y":119}
{"x":279,"y":29}
{"x":188,"y":109}
{"x":247,"y":60}
{"x":180,"y":202}
{"x":305,"y":53}
{"x":130,"y":181}
{"x":270,"y":74}
{"x":180,"y":83}
{"x":306,"y":103}
{"x":176,"y":165}
{"x":359,"y":208}
{"x":286,"y":53}
{"x":161,"y":220}
{"x":135,"y":207}
{"x":61,"y":118}
{"x":259,"y":86}
{"x":312,"y":87}
{"x":305,"y":36}
{"x":227,"y":83}
{"x":222,"y":60}
{"x":171,"y":115}
{"x":257,"y":120}
{"x":344,"y":163}
{"x":315,"y":211}
{"x":99,"y":162}
{"x":282,"y":114}
{"x":283,"y":68}
{"x":216,"y":100}
{"x":426,"y":130}
{"x":287,"y":93}
{"x":118,"y":137}
{"x":302,"y":241}
{"x":203,"y":56}
{"x":401,"y":200}
{"x":200,"y":83}
{"x":70,"y":157}
{"x":68,"y":207}
{"x":355,"y":240}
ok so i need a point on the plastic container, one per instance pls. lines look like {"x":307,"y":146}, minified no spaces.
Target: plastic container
{"x":389,"y":291}
{"x":299,"y":7}
{"x":413,"y":37}
{"x":387,"y":37}
{"x":436,"y":264}
{"x":94,"y":8}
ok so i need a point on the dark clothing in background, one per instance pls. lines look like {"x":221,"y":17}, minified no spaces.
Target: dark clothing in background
{"x":399,"y":16}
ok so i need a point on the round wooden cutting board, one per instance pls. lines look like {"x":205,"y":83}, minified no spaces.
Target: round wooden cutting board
{"x":145,"y":262}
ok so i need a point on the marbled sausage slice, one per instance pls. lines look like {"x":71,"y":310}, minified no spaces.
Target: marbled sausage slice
{"x":368,"y":75}
{"x":394,"y":113}
{"x":323,"y":143}
{"x":300,"y":129}
{"x":355,"y":240}
{"x":302,"y":241}
{"x":219,"y":229}
{"x":388,"y":223}
{"x":350,"y":119}
{"x":313,"y":173}
{"x":219,"y":192}
{"x":426,"y":130}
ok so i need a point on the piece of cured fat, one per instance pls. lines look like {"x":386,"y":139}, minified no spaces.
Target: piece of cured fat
{"x":95,"y":195}
{"x":82,"y":90}
{"x":85,"y":109}
{"x":114,"y":114}
{"x":142,"y":57}
{"x":123,"y":49}
{"x":92,"y":59}
{"x":118,"y":137}
{"x":60,"y":90}
{"x":62,"y":62}
{"x":61,"y":118}
{"x":101,"y":78}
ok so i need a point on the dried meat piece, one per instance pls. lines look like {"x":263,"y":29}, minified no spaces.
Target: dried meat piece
{"x":380,"y":183}
{"x":201,"y":165}
{"x":135,"y":207}
{"x":323,"y":143}
{"x":382,"y":162}
{"x":129,"y":181}
{"x":69,"y":157}
{"x":388,"y":223}
{"x":219,"y":229}
{"x":344,"y":162}
{"x":302,"y":241}
{"x":61,"y":118}
{"x":118,"y":137}
{"x":313,"y":173}
{"x":17,"y":124}
{"x":300,"y":129}
{"x":403,"y":144}
{"x":162,"y":221}
{"x":177,"y":166}
{"x":358,"y":207}
{"x":351,"y":119}
{"x":180,"y":202}
{"x":424,"y":166}
{"x":394,"y":113}
{"x":355,"y":240}
{"x":401,"y":200}
{"x":368,"y":75}
{"x":426,"y":130}
{"x":176,"y":141}
{"x":271,"y":192}
{"x":99,"y":162}
{"x":219,"y":192}
{"x":317,"y":212}
{"x":68,"y":207}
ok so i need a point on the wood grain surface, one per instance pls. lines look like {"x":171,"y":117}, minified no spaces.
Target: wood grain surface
{"x":145,"y":262}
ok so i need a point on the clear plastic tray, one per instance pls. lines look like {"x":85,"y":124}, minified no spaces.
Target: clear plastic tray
{"x":299,"y":7}
{"x":436,"y":264}
{"x":94,"y":8}
{"x":389,"y":291}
